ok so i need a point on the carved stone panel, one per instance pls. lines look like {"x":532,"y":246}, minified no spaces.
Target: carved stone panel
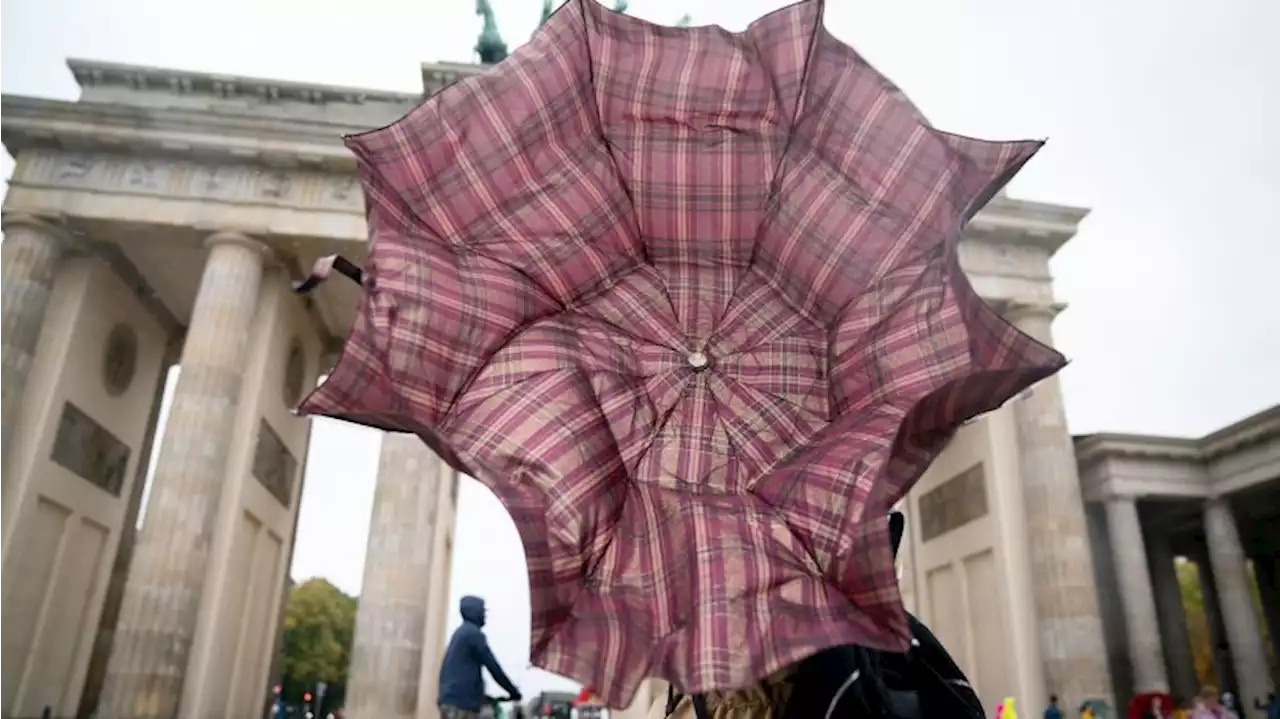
{"x":233,"y":183}
{"x":120,"y":359}
{"x":86,"y":449}
{"x":954,"y":503}
{"x":273,"y":465}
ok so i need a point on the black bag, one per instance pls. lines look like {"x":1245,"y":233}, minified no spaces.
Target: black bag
{"x":853,"y":682}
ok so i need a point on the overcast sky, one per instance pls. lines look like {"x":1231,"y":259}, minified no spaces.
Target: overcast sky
{"x":1162,"y":116}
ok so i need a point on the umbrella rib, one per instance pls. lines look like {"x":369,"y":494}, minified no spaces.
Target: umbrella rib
{"x":774,"y":395}
{"x":775,"y":182}
{"x":628,"y":334}
{"x":599,"y":126}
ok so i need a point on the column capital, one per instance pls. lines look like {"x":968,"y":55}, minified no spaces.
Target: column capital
{"x":1015,"y":310}
{"x":1215,"y":501}
{"x":50,"y":226}
{"x":231,"y":237}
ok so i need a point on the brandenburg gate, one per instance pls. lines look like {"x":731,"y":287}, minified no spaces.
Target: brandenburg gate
{"x":158,"y":222}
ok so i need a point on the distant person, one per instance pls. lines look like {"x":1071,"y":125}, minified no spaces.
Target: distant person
{"x":1206,"y":705}
{"x":1052,"y":711}
{"x":461,"y":683}
{"x":1228,"y":706}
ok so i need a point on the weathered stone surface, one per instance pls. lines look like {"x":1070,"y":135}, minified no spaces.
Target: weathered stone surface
{"x":1235,"y":600}
{"x":223,"y":182}
{"x":1071,"y":639}
{"x":29,"y":257}
{"x":153,"y":639}
{"x":1136,"y":596}
{"x":386,"y":656}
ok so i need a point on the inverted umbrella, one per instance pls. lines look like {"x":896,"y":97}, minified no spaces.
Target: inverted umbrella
{"x":689,"y":303}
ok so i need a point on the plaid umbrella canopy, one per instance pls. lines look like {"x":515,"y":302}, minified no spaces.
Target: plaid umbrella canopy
{"x":689,"y":303}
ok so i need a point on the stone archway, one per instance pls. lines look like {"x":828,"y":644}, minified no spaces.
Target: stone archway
{"x":157,"y":220}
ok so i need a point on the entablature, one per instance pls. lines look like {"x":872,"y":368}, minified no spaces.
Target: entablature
{"x":1241,"y":456}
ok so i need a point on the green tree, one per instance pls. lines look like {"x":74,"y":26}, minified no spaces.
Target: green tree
{"x":1198,"y":623}
{"x":1197,"y":620}
{"x":319,"y":623}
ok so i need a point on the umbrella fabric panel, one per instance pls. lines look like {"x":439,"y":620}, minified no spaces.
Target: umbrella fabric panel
{"x":688,"y":302}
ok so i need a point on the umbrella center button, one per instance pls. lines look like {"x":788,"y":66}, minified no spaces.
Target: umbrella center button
{"x":698,"y":361}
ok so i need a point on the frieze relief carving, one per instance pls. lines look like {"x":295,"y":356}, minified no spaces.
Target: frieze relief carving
{"x":144,"y":174}
{"x":301,"y":189}
{"x":76,"y":167}
{"x":1005,"y":260}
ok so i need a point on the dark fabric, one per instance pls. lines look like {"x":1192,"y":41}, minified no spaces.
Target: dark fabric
{"x":897,"y":526}
{"x":349,"y":269}
{"x":922,"y":683}
{"x":700,"y":709}
{"x":1053,"y":712}
{"x":461,"y":684}
{"x":1272,"y":707}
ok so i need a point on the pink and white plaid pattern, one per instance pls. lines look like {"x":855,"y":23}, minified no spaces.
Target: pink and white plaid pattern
{"x":551,"y":242}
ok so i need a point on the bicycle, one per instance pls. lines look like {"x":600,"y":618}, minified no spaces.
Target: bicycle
{"x":495,"y":704}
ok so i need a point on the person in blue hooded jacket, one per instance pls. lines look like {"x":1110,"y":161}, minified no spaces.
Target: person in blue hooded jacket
{"x":461,"y":684}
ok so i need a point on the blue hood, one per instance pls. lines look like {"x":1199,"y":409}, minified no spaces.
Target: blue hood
{"x":472,"y":610}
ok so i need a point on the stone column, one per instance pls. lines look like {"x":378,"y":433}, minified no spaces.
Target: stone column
{"x":439,"y":613}
{"x":96,"y":673}
{"x":1235,"y":601}
{"x":386,"y":654}
{"x":1267,"y":572}
{"x":153,"y":639}
{"x":1222,"y":667}
{"x":1071,"y":639}
{"x":1174,"y":634}
{"x":30,"y":254}
{"x":1136,"y":596}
